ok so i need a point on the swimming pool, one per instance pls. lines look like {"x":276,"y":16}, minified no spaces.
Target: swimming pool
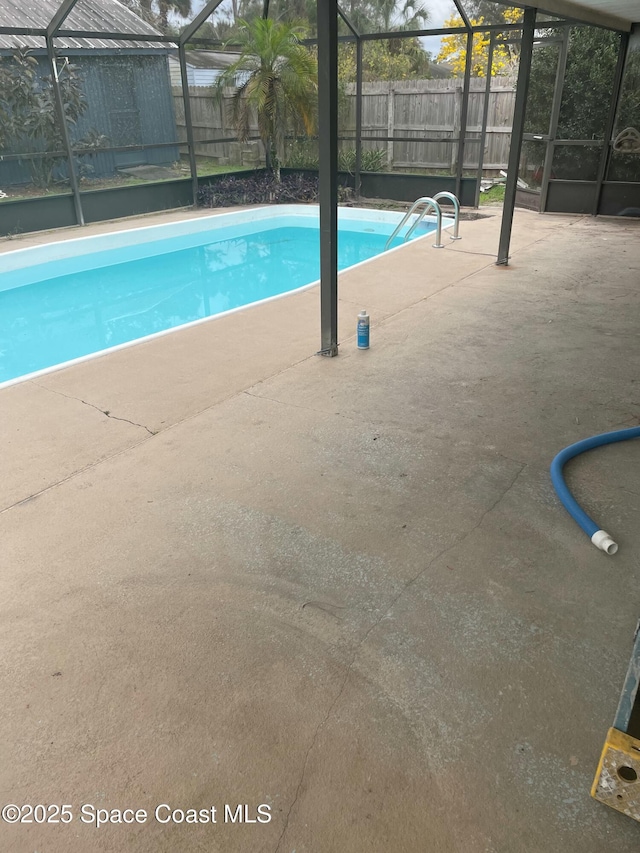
{"x":67,"y":301}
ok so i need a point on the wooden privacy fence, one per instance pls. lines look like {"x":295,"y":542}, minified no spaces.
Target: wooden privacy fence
{"x":414,"y":109}
{"x":432,"y":108}
{"x":209,"y":121}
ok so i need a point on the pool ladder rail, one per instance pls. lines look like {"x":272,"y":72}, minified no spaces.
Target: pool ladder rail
{"x":427,"y":203}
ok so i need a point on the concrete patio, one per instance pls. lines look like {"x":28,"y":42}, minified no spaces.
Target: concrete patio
{"x":233,"y":572}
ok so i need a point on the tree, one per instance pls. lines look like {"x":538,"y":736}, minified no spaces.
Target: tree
{"x":453,"y":48}
{"x":28,"y":118}
{"x":280,"y":84}
{"x":588,"y":81}
{"x":404,"y":15}
{"x":624,"y":165}
{"x":223,"y":24}
{"x":158,"y":11}
{"x":388,"y":59}
{"x":629,"y":107}
{"x":586,"y":93}
{"x":386,"y":15}
{"x":392,"y":59}
{"x":366,"y":15}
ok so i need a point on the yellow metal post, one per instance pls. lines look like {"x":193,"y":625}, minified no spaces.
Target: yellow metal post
{"x":617,"y":782}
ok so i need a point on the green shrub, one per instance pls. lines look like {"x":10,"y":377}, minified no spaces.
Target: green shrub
{"x":303,"y":154}
{"x":371,"y":161}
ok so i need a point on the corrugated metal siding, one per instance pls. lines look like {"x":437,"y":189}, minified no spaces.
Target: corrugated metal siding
{"x":204,"y":76}
{"x":175,"y":73}
{"x":13,"y":174}
{"x":151,"y":98}
{"x":91,"y":15}
{"x":195,"y":76}
{"x":157,"y":118}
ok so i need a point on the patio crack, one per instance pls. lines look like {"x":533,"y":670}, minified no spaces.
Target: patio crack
{"x":365,"y":637}
{"x":320,"y":725}
{"x":105,"y":412}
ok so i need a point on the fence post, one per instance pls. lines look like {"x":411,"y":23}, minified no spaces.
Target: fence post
{"x":455,"y":133}
{"x":390,"y":122}
{"x":358,"y":169}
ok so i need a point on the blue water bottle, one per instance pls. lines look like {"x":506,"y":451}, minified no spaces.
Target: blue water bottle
{"x":363,"y":330}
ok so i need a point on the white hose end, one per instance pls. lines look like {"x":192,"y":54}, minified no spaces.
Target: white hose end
{"x":602,"y":540}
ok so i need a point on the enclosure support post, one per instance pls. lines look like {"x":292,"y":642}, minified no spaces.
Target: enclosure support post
{"x":485,"y":115}
{"x":187,"y":34}
{"x":328,"y":149}
{"x":73,"y":177}
{"x":464,"y":109}
{"x":64,"y":10}
{"x":611,"y":119}
{"x":522,"y":90}
{"x":463,"y":14}
{"x":555,"y":115}
{"x":188,"y":122}
{"x":358,"y":168}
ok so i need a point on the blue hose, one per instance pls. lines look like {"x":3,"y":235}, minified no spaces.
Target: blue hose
{"x":599,"y":537}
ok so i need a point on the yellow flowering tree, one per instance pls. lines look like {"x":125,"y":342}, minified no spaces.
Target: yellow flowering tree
{"x":453,"y":48}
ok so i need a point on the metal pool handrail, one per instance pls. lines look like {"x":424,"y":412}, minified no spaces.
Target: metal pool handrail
{"x":438,"y":211}
{"x":428,"y":202}
{"x":456,"y":206}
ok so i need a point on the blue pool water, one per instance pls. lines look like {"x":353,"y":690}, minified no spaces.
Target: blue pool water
{"x":67,"y":308}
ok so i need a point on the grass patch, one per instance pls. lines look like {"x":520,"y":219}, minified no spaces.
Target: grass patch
{"x":180,"y":169}
{"x":209,"y":166}
{"x":493,"y":195}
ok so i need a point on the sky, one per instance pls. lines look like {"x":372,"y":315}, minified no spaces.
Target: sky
{"x":439,"y":9}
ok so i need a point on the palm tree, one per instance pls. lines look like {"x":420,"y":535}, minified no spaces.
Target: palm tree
{"x":406,"y":15}
{"x":386,"y":15}
{"x":280,"y":84}
{"x":158,"y":10}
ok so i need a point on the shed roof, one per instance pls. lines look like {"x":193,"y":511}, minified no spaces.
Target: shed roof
{"x":100,"y":16}
{"x":440,"y":70}
{"x":209,"y":59}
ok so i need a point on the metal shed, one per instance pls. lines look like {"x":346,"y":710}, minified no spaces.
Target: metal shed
{"x":125,"y":83}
